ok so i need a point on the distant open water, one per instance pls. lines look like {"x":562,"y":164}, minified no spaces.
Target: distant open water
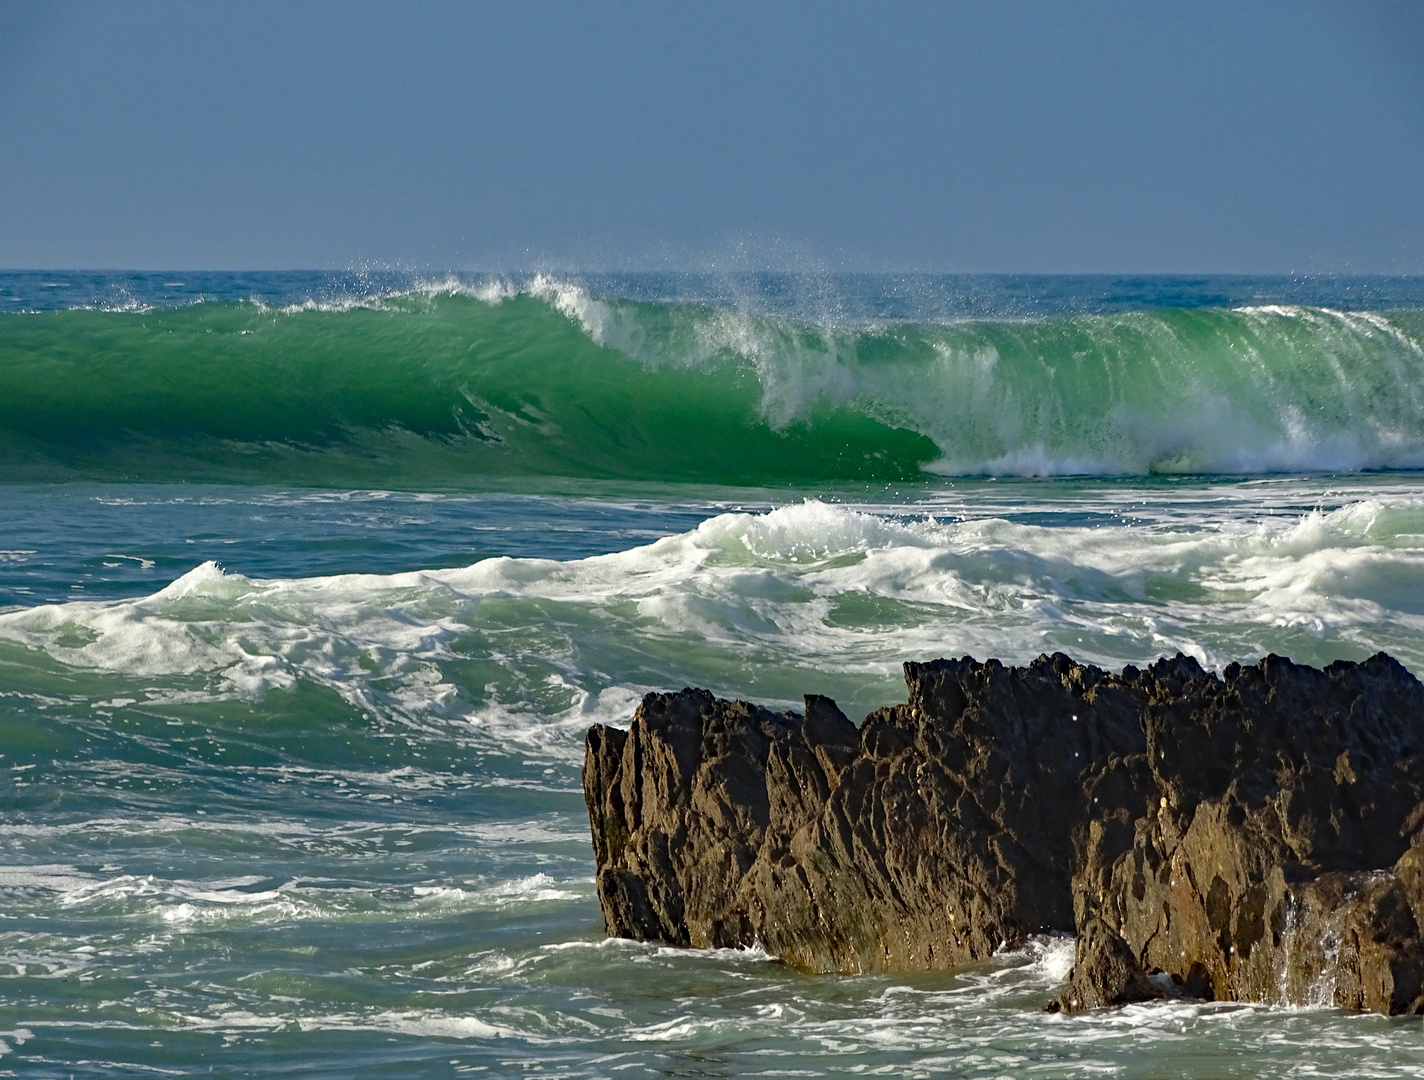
{"x":289,"y":762}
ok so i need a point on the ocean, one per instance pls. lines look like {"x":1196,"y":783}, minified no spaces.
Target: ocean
{"x":311,"y":584}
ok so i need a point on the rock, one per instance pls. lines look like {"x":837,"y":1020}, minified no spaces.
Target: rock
{"x":682,"y":804}
{"x":1105,"y":972}
{"x":1268,"y":835}
{"x":1251,"y":835}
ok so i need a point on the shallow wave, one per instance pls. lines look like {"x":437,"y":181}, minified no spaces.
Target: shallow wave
{"x":451,"y":384}
{"x":258,"y":819}
{"x":644,"y":1008}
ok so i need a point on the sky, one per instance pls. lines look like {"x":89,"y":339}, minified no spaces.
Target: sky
{"x":1085,"y":137}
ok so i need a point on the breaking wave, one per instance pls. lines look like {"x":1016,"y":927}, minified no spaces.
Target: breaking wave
{"x":449,"y":386}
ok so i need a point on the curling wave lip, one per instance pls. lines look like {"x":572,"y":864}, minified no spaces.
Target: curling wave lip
{"x":453,"y":385}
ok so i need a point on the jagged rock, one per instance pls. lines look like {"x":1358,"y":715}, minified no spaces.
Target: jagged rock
{"x":1267,"y":835}
{"x":683,"y":803}
{"x":1250,"y":835}
{"x":1105,"y":972}
{"x":927,"y":839}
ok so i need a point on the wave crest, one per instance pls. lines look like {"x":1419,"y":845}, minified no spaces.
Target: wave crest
{"x":449,"y":382}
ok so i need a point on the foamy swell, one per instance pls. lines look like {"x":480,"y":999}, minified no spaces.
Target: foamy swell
{"x":811,"y":597}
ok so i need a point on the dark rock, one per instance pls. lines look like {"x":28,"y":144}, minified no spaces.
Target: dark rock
{"x":1105,"y":972}
{"x":1252,"y":836}
{"x":1267,"y":835}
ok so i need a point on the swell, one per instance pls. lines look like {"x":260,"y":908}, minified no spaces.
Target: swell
{"x":444,"y":389}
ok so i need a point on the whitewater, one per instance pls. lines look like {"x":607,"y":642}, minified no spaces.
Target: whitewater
{"x":310,"y":585}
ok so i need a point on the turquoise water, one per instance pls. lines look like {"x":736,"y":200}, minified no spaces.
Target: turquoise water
{"x":289,"y":771}
{"x":450,"y":384}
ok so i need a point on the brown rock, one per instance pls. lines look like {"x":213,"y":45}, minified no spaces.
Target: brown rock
{"x":1257,"y":839}
{"x":1250,"y":835}
{"x":1105,"y":972}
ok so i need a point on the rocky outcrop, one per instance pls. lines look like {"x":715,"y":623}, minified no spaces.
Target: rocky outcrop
{"x":1249,"y":836}
{"x":1267,"y":837}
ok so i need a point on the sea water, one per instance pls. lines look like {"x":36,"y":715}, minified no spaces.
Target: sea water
{"x":310,"y":586}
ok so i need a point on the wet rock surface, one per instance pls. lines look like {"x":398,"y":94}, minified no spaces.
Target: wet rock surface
{"x":1248,"y":836}
{"x":1105,"y":972}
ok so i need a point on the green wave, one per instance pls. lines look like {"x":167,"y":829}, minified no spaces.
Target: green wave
{"x":449,"y":390}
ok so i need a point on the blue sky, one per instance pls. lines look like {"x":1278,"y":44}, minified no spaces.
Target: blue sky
{"x":1048,"y":137}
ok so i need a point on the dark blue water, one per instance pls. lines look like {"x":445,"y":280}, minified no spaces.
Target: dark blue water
{"x":854,"y":297}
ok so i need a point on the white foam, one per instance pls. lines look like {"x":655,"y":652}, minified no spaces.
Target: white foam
{"x":518,"y":892}
{"x":178,"y":903}
{"x":810,"y":587}
{"x":53,"y":877}
{"x":432,"y":1023}
{"x":17,"y":1036}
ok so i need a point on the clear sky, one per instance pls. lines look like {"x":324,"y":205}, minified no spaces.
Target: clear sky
{"x":1057,"y":137}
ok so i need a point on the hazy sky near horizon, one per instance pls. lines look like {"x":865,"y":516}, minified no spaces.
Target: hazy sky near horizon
{"x":1006,"y":136}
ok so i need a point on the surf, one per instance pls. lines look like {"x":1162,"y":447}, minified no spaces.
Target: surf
{"x":509,"y":650}
{"x":450,"y":387}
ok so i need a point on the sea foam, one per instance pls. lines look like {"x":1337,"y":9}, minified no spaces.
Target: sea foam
{"x":800,"y":599}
